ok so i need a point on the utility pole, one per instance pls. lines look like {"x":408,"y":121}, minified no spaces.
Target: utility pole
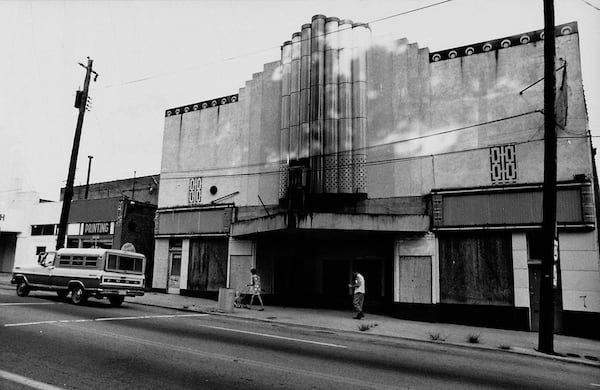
{"x":80,"y":103}
{"x":549,"y":233}
{"x":87,"y":183}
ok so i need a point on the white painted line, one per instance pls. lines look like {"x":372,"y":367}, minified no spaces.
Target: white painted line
{"x":26,"y":303}
{"x":27,"y":381}
{"x":106,"y":319}
{"x":30,"y":323}
{"x":595,"y":384}
{"x":275,"y":337}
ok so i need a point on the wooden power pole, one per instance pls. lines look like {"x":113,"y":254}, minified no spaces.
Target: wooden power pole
{"x":549,"y":233}
{"x":80,"y":103}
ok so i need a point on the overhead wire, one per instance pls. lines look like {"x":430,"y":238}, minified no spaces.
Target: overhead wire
{"x":260,"y":51}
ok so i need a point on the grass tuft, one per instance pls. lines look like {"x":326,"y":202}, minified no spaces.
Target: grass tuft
{"x":473,"y":338}
{"x":437,"y":336}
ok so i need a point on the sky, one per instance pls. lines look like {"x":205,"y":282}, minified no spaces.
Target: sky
{"x":153,"y":55}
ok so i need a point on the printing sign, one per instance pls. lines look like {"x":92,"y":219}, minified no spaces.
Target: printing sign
{"x":96,"y":228}
{"x":195,"y":190}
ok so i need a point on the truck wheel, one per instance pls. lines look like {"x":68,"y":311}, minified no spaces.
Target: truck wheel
{"x":62,"y":294}
{"x":22,"y":289}
{"x":116,"y":300}
{"x":78,"y":295}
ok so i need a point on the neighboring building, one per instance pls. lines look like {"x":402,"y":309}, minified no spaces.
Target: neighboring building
{"x":107,"y":219}
{"x":421,"y":170}
{"x":20,"y":238}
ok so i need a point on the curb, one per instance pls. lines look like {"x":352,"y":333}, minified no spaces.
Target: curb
{"x":511,"y":349}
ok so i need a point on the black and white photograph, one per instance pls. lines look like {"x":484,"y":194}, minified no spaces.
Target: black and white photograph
{"x":290,"y":194}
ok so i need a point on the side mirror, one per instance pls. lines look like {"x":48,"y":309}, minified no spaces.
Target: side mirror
{"x":40,"y":259}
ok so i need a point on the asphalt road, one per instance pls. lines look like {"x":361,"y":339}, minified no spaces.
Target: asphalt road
{"x":48,"y":344}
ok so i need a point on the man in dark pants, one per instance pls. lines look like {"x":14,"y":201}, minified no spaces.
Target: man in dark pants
{"x":359,"y":294}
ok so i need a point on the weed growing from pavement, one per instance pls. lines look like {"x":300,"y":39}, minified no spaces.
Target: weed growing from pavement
{"x":504,"y":346}
{"x":366,"y":326}
{"x":437,"y":337}
{"x":473,"y":338}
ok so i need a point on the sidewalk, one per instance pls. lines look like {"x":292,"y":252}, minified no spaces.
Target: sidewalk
{"x":568,"y":348}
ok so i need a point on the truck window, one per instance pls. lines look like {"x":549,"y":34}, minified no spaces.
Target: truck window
{"x":124,"y":264}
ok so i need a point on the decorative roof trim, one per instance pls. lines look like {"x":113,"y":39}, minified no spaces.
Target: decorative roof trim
{"x":501,"y":43}
{"x":202,"y":105}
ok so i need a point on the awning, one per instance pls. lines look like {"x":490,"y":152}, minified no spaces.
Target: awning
{"x":333,"y":221}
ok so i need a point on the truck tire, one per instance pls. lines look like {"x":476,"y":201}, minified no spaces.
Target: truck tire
{"x":78,"y":295}
{"x":116,"y":300}
{"x":22,"y":288}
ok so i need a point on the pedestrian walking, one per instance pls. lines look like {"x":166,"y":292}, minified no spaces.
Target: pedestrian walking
{"x":254,"y":288}
{"x":359,"y":294}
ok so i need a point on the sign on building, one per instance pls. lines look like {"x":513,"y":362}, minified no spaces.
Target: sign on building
{"x":96,"y":228}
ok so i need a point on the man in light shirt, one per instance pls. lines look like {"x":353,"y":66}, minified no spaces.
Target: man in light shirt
{"x":359,"y":294}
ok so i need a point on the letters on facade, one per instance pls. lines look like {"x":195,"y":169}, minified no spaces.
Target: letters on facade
{"x":96,"y":228}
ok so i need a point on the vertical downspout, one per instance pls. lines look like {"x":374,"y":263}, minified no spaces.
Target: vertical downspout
{"x":360,"y":36}
{"x":284,"y":147}
{"x":317,"y":92}
{"x":345,"y":107}
{"x":330,"y":130}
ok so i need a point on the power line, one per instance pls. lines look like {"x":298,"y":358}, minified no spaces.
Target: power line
{"x":387,"y":143}
{"x":260,"y":51}
{"x":591,"y":5}
{"x":368,"y":163}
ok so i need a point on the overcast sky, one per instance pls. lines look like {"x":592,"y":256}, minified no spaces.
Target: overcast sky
{"x":155,"y":55}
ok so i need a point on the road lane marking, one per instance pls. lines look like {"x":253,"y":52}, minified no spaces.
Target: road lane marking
{"x":274,"y":336}
{"x":26,"y":303}
{"x":595,"y":384}
{"x":27,"y":381}
{"x":105,"y":319}
{"x":243,"y":361}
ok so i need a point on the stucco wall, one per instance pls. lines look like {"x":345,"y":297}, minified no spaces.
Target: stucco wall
{"x":227,"y":146}
{"x":520,"y":269}
{"x":413,"y":99}
{"x":161,"y":262}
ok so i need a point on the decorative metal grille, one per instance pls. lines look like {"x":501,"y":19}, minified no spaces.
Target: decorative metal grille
{"x":195,"y":190}
{"x":503,"y":164}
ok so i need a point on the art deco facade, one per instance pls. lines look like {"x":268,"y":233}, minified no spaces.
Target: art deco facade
{"x":422,"y":170}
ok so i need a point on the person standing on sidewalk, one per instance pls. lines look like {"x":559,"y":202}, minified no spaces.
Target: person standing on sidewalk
{"x":254,"y":287}
{"x":359,"y":294}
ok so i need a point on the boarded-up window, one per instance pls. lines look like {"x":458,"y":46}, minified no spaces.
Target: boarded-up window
{"x":207,"y":270}
{"x":476,"y":269}
{"x":415,"y":279}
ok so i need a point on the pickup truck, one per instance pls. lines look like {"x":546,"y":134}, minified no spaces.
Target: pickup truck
{"x":84,"y":272}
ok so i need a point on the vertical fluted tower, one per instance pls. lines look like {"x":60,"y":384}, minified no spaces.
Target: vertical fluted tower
{"x":317,"y":102}
{"x":295,"y":99}
{"x":345,"y":108}
{"x":284,"y":146}
{"x":323,"y":107}
{"x":330,"y":130}
{"x":305,"y":93}
{"x":360,"y":36}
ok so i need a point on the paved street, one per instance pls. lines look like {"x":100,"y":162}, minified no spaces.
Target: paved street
{"x":46,"y":343}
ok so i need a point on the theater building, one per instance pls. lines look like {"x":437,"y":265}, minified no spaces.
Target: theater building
{"x":422,"y":170}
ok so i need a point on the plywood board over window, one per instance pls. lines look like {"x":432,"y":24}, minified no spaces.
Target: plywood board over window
{"x":415,"y":279}
{"x":207,"y":269}
{"x":476,"y":268}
